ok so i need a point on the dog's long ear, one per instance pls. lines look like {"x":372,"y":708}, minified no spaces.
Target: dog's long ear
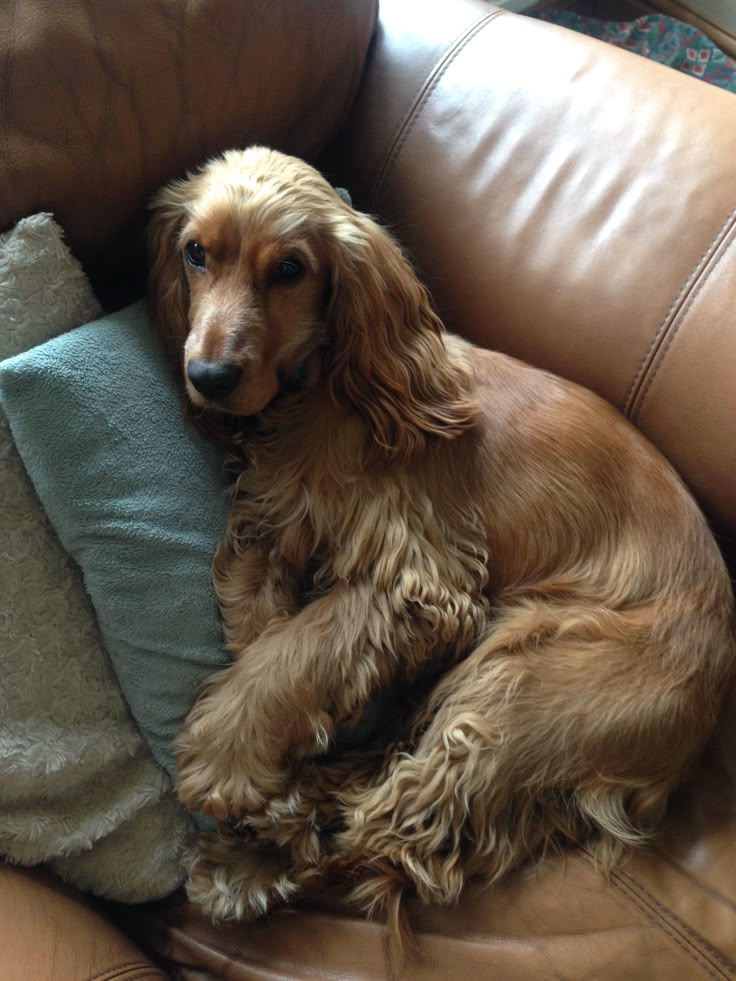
{"x":168,"y":291}
{"x":389,"y":357}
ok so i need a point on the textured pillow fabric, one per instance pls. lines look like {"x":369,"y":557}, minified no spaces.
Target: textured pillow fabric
{"x":78,"y":785}
{"x":137,"y":497}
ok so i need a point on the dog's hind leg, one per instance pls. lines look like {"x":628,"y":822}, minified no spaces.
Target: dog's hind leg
{"x":569,"y":722}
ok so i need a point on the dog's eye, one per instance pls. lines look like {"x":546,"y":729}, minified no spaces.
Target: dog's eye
{"x":288,"y":268}
{"x":195,"y":255}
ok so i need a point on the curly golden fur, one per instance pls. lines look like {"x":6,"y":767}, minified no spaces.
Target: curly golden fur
{"x":413,"y":513}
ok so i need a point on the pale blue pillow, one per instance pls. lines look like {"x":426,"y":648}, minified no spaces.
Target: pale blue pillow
{"x":137,"y":497}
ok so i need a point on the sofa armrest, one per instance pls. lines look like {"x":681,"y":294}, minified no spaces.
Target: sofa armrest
{"x":48,"y":931}
{"x":569,"y":203}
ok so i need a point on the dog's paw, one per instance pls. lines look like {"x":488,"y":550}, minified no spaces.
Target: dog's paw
{"x":230,"y":775}
{"x":231,"y":880}
{"x":218,"y":777}
{"x":228,"y":763}
{"x":217,"y":784}
{"x":291,"y":823}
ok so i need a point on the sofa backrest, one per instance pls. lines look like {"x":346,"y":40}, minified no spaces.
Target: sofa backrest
{"x":102,"y":102}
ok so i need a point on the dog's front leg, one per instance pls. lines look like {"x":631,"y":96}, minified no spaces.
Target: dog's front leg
{"x":290,"y":689}
{"x":256,"y":590}
{"x":255,"y":587}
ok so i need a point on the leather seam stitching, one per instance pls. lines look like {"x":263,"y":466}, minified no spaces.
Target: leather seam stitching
{"x":405,"y":125}
{"x":668,"y":929}
{"x":698,"y":943}
{"x":692,"y":936}
{"x":723,"y":249}
{"x":431,"y":83}
{"x":700,"y":265}
{"x":696,"y":946}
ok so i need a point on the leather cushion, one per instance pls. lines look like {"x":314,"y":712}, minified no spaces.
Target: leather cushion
{"x":48,"y":931}
{"x":103,"y":102}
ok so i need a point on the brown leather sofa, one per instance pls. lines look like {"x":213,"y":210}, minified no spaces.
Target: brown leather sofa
{"x":569,"y":203}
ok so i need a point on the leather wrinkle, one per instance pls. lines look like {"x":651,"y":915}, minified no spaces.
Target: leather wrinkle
{"x":139,"y":971}
{"x":127,"y":966}
{"x":189,"y":940}
{"x":115,"y":84}
{"x":691,"y":942}
{"x":477,"y":939}
{"x":135,"y":973}
{"x":406,"y":124}
{"x":678,"y":321}
{"x":540,"y":947}
{"x":632,"y":402}
{"x":224,"y":954}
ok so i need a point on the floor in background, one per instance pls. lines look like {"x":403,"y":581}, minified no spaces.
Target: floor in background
{"x":602,"y":9}
{"x":655,"y":36}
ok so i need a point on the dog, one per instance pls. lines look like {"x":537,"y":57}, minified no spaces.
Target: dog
{"x":412,"y":514}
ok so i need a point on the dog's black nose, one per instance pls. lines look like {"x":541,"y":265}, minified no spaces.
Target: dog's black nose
{"x":214,"y":379}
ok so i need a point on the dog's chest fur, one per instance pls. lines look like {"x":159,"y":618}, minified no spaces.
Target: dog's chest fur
{"x":311,"y":497}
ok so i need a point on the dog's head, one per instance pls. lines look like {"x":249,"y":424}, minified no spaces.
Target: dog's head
{"x":258,"y":266}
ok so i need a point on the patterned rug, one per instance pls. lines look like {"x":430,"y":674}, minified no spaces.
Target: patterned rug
{"x":659,"y":38}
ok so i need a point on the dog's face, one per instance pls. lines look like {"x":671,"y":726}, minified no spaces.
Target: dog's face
{"x":256,"y":301}
{"x":258,"y":264}
{"x":256,"y":277}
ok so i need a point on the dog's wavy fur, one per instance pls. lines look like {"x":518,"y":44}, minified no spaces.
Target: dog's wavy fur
{"x":417,"y":513}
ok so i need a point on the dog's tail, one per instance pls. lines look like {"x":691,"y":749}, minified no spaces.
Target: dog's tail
{"x":379,"y":890}
{"x":381,"y":893}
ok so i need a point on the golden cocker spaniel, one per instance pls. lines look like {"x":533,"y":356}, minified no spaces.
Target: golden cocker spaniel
{"x":413,"y":514}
